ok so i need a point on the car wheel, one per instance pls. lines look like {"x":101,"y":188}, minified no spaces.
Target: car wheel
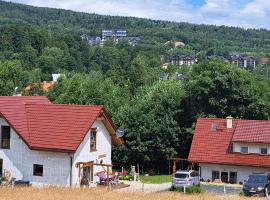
{"x":246,"y":194}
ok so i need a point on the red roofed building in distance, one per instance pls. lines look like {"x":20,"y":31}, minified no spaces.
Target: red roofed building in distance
{"x":54,"y":144}
{"x":229,"y":150}
{"x":44,"y":86}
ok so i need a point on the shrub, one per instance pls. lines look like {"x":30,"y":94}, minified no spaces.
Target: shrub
{"x":241,"y":193}
{"x":126,"y":178}
{"x":190,"y":190}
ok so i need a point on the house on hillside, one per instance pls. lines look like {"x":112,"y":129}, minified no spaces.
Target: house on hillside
{"x":44,"y":86}
{"x":113,"y":34}
{"x":243,"y":62}
{"x":180,"y":60}
{"x":54,"y":144}
{"x":230,"y":149}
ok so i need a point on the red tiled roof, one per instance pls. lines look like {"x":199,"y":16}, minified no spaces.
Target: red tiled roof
{"x":47,"y":126}
{"x":215,"y":146}
{"x":252,"y":131}
{"x":13,"y":110}
{"x":61,"y":127}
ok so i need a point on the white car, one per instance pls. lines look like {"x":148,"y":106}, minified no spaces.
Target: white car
{"x":185,"y":179}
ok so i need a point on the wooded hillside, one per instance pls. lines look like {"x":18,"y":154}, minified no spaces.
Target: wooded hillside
{"x":158,"y":116}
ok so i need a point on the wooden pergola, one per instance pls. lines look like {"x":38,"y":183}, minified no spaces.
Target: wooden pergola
{"x":90,"y":164}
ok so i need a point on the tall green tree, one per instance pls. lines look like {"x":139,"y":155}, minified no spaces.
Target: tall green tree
{"x":137,"y":73}
{"x":11,"y":76}
{"x":152,"y":131}
{"x":220,"y":89}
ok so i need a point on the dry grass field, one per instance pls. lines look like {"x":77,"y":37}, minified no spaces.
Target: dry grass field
{"x":98,"y":194}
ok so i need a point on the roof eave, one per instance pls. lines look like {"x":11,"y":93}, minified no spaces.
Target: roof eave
{"x":52,"y":149}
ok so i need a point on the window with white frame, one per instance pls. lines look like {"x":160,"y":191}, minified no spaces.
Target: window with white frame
{"x":263,"y":151}
{"x":244,"y":149}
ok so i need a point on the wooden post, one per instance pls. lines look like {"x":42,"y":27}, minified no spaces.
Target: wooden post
{"x":108,"y":179}
{"x":79,"y":175}
{"x":169,"y":167}
{"x":174,"y":167}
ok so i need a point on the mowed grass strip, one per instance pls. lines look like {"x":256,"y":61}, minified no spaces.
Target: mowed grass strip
{"x":98,"y":194}
{"x":156,"y":179}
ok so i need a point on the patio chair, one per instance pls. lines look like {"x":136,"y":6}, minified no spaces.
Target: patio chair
{"x":115,"y":179}
{"x":102,"y":178}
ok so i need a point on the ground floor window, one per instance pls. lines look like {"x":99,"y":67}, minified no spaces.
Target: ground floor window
{"x":233,"y":177}
{"x":1,"y":167}
{"x":224,"y":177}
{"x":38,"y":170}
{"x":215,"y":175}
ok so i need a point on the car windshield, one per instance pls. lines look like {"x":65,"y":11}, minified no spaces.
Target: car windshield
{"x":179,"y":175}
{"x":257,"y":179}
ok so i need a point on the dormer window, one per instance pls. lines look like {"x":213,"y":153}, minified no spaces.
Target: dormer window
{"x":244,"y":150}
{"x":263,"y":151}
{"x":214,"y":126}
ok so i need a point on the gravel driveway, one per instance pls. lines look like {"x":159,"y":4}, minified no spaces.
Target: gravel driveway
{"x":164,"y":187}
{"x":147,"y":188}
{"x":219,"y":189}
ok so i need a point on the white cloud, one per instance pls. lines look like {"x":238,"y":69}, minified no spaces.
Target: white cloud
{"x":216,"y":6}
{"x":257,"y":8}
{"x":243,"y":13}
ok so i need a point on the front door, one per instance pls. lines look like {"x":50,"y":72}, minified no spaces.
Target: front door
{"x":87,"y":175}
{"x":224,"y":177}
{"x":1,"y":167}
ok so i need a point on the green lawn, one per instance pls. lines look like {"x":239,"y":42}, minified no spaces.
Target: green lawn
{"x":156,"y":179}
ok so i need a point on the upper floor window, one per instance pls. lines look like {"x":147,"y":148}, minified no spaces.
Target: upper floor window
{"x":93,"y":139}
{"x":5,"y":137}
{"x":263,"y":151}
{"x":244,"y":149}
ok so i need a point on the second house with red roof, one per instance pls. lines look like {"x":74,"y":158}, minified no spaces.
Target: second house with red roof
{"x":48,"y":144}
{"x":229,"y":150}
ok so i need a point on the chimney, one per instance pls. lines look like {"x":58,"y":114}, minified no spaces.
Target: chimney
{"x":229,"y":122}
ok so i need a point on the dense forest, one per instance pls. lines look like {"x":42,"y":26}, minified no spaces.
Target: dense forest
{"x":158,"y":115}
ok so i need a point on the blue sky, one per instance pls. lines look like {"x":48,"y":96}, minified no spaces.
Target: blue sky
{"x":241,"y":13}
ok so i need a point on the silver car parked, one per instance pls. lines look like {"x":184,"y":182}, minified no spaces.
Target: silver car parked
{"x":185,"y":179}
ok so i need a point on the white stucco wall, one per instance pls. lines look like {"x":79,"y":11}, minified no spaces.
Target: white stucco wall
{"x":252,"y":148}
{"x":242,"y":171}
{"x":83,"y":154}
{"x":19,"y":159}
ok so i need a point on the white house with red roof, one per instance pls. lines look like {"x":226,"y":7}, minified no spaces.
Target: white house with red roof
{"x":48,"y":144}
{"x":230,"y":149}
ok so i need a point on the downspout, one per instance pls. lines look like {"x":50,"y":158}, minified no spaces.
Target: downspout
{"x":70,"y":172}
